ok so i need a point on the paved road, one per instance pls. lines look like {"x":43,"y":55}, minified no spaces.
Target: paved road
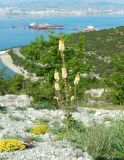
{"x":18,"y":53}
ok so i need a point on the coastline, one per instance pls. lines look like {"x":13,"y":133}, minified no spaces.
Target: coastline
{"x":11,"y":38}
{"x":7,"y":60}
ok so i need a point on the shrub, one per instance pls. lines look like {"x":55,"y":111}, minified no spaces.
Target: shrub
{"x":15,"y":118}
{"x":11,"y":145}
{"x":44,"y":105}
{"x":40,"y":129}
{"x":115,"y":80}
{"x":21,"y":138}
{"x":32,"y":139}
{"x":42,"y":121}
{"x":21,"y":108}
{"x":100,"y":140}
{"x":3,"y":109}
{"x":1,"y":127}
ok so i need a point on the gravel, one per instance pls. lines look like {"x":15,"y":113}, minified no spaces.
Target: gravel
{"x":15,"y":123}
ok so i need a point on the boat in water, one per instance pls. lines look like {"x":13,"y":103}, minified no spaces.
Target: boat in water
{"x":45,"y":26}
{"x":88,"y":29}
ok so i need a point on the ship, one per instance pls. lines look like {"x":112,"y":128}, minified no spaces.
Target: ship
{"x":90,"y":29}
{"x":44,"y":26}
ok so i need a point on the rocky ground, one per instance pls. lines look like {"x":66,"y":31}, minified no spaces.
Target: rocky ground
{"x":16,"y":121}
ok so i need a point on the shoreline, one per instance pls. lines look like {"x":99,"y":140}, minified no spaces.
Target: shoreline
{"x":8,"y":62}
{"x":3,"y":49}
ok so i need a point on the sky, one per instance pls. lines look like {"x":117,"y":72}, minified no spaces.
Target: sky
{"x":62,"y":3}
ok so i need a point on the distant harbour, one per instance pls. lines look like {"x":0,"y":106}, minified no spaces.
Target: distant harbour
{"x":21,"y":36}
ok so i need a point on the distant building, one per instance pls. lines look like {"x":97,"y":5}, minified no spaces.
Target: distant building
{"x":90,"y":29}
{"x":44,"y":26}
{"x":33,"y":25}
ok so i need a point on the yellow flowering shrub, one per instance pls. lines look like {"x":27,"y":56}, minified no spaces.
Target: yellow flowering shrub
{"x":11,"y":145}
{"x":39,"y":129}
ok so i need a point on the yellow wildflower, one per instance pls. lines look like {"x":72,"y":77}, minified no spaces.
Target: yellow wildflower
{"x":57,"y":87}
{"x":56,"y":75}
{"x":77,"y":79}
{"x":40,"y":129}
{"x":64,"y":72}
{"x":10,"y":145}
{"x":72,"y":98}
{"x":61,"y":45}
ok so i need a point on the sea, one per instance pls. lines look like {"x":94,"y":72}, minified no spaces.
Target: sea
{"x":14,"y":30}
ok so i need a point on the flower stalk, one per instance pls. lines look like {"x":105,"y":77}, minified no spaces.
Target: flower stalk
{"x":65,"y":99}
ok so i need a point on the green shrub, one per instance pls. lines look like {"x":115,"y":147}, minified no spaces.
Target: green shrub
{"x":1,"y":127}
{"x":41,"y":121}
{"x":15,"y":118}
{"x":21,"y":138}
{"x":44,"y":105}
{"x":21,"y":108}
{"x":100,"y":140}
{"x":32,"y":139}
{"x":3,"y":109}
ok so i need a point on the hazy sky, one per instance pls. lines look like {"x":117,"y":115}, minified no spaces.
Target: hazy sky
{"x":60,"y":3}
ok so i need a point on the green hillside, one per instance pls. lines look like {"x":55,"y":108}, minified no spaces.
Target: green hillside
{"x":98,"y":52}
{"x":105,"y":43}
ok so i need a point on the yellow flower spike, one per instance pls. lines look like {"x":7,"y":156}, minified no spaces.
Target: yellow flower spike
{"x":72,"y":98}
{"x":61,"y":45}
{"x":57,"y":98}
{"x":64,"y":73}
{"x":56,"y":75}
{"x":77,"y":79}
{"x":57,"y":86}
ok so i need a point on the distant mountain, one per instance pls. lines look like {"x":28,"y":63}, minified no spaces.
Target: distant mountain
{"x":61,"y":3}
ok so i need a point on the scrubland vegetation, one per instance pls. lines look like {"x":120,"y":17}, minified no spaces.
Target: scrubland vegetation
{"x":97,"y":53}
{"x":62,"y":63}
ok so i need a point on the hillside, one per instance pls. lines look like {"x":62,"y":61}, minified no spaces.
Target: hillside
{"x":100,"y":46}
{"x":105,"y":44}
{"x":56,"y":113}
{"x":99,"y":55}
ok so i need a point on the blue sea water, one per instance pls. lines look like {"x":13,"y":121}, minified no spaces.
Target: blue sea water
{"x":19,"y":36}
{"x":6,"y":71}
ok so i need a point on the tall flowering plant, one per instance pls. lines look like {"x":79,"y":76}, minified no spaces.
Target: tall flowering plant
{"x":67,"y":102}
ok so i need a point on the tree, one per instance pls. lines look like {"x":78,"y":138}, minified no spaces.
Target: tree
{"x":116,"y":79}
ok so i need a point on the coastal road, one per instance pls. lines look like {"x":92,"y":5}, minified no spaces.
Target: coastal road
{"x":17,"y":52}
{"x":7,"y":60}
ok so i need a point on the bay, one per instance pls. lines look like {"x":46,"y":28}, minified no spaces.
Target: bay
{"x":20,"y":36}
{"x":6,"y":71}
